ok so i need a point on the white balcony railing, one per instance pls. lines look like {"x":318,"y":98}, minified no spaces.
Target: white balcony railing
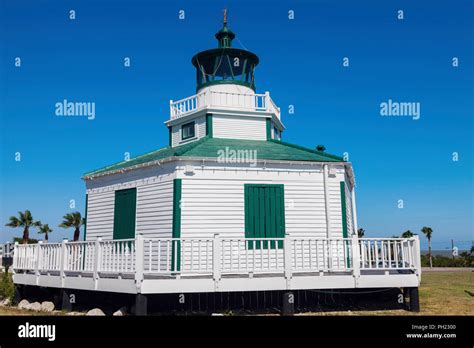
{"x":223,"y":100}
{"x":219,"y":256}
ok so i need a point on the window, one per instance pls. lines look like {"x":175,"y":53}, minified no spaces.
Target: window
{"x":276,"y":135}
{"x":264,"y":214}
{"x":187,"y":131}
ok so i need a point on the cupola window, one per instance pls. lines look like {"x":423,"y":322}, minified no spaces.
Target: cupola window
{"x":187,"y":131}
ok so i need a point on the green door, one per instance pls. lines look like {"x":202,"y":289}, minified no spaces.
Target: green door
{"x":264,"y":213}
{"x":124,"y":213}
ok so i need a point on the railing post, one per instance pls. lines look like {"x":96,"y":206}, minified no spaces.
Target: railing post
{"x":417,"y":256}
{"x":171,"y":109}
{"x":39,"y":253}
{"x":15,"y":256}
{"x":216,"y":260}
{"x":139,"y":258}
{"x":355,"y":252}
{"x":63,"y":260}
{"x":97,"y":261}
{"x":287,"y":260}
{"x":267,"y":101}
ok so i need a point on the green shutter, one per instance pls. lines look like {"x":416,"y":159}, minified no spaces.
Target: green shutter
{"x":209,"y":125}
{"x":85,"y":216}
{"x":264,"y":213}
{"x":170,"y":140}
{"x":125,"y":213}
{"x":269,"y":129}
{"x":176,"y":249}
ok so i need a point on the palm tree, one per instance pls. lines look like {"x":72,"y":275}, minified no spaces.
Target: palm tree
{"x":45,"y":229}
{"x":73,"y":220}
{"x":407,"y":234}
{"x":26,"y":221}
{"x":428,"y":232}
{"x":360,"y":232}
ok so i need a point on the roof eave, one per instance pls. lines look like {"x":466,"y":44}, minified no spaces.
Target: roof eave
{"x":204,"y":159}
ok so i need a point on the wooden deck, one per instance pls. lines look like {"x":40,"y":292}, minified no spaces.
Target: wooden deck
{"x":187,"y":265}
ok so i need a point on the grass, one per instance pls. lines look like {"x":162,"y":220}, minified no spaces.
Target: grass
{"x":441,"y":293}
{"x":14,"y":311}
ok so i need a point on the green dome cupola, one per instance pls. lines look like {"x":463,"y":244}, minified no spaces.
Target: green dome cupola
{"x":225,"y":64}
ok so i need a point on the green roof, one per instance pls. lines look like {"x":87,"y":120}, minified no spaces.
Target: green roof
{"x":212,"y":147}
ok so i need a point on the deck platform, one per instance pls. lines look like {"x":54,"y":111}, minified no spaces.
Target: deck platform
{"x":190,"y":265}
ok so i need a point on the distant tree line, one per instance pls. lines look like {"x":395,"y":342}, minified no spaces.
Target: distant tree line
{"x":25,"y":221}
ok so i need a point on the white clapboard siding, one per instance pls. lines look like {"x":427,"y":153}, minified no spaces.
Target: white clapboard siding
{"x":235,"y":127}
{"x":100,"y":215}
{"x":210,"y":206}
{"x":334,"y":188}
{"x":200,"y":131}
{"x":155,"y":209}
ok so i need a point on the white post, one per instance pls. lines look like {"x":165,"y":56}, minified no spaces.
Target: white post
{"x":139,"y":256}
{"x":15,"y":256}
{"x":326,"y":201}
{"x":97,"y":261}
{"x":287,"y":260}
{"x":355,"y":252}
{"x":267,"y":101}
{"x":216,"y":260}
{"x":417,"y":256}
{"x":171,"y":109}
{"x":39,"y":253}
{"x":354,"y":210}
{"x":210,"y":100}
{"x":63,"y":260}
{"x":328,"y":214}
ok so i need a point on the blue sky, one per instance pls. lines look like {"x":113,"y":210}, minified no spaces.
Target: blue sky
{"x":394,"y":158}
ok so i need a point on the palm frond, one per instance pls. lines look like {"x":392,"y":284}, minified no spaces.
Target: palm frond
{"x":72,"y":220}
{"x":14,"y":222}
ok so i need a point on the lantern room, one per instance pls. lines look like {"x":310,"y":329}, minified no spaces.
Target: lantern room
{"x":225,"y":65}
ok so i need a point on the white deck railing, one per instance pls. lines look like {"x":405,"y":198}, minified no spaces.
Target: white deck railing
{"x":223,"y":100}
{"x":219,"y":256}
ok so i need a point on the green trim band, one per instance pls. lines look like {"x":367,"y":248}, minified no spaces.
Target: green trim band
{"x":269,"y":129}
{"x":85,"y":216}
{"x":344,"y":217}
{"x":209,"y":125}
{"x":176,"y":233}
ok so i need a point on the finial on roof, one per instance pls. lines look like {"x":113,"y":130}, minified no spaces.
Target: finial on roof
{"x":225,"y":35}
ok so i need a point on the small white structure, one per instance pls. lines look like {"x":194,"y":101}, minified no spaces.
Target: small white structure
{"x":227,"y":206}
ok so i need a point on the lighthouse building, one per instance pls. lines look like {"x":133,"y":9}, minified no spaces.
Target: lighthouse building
{"x":226,"y":170}
{"x":227,"y":206}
